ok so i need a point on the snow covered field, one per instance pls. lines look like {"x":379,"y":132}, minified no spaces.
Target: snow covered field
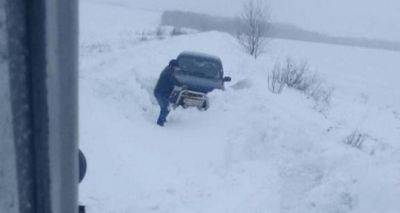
{"x":252,"y":151}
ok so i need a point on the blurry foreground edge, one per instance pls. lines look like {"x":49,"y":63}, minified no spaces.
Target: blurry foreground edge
{"x":38,"y":113}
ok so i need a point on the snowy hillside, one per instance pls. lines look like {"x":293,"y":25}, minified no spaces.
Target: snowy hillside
{"x":356,"y":18}
{"x":252,"y":151}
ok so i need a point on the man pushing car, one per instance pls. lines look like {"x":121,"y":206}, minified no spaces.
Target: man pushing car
{"x":186,"y":82}
{"x":163,"y":90}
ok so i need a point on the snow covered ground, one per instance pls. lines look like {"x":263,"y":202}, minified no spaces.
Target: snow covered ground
{"x":252,"y":151}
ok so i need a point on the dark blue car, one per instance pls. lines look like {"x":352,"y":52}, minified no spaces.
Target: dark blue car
{"x":198,"y":74}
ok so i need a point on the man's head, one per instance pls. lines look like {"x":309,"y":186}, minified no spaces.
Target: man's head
{"x":173,"y":63}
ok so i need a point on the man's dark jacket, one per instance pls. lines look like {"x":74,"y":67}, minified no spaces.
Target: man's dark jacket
{"x":165,"y":83}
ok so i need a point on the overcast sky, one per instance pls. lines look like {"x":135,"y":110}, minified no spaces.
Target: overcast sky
{"x":368,"y":18}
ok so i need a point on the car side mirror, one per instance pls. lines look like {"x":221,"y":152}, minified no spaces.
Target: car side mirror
{"x":227,"y":79}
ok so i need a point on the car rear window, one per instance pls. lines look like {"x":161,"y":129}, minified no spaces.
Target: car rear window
{"x":201,"y":67}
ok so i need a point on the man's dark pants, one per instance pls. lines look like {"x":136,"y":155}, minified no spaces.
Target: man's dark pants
{"x":163,"y":101}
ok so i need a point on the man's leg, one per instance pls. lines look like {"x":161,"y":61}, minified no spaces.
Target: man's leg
{"x":163,"y":115}
{"x":163,"y":102}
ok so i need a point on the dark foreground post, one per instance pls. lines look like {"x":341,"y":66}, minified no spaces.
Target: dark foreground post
{"x":38,"y":109}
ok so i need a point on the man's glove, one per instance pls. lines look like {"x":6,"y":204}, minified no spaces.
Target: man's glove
{"x":174,"y":95}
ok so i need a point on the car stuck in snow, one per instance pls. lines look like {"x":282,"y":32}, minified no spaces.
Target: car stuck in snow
{"x":197,"y":75}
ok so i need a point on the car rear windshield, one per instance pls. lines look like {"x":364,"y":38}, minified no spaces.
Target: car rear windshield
{"x":201,"y":67}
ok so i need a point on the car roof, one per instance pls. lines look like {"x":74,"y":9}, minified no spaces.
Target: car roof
{"x":199,"y":55}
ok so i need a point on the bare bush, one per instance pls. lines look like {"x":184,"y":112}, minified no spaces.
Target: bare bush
{"x":291,"y":74}
{"x":294,"y":74}
{"x":276,"y":79}
{"x":356,"y":139}
{"x":160,"y":33}
{"x":299,"y":77}
{"x":143,"y":36}
{"x":254,"y":27}
{"x":321,"y":94}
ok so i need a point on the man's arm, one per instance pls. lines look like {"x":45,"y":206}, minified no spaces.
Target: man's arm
{"x":175,"y":81}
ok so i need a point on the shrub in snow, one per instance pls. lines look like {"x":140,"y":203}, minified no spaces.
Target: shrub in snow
{"x":160,"y":33}
{"x":365,"y":142}
{"x":321,"y":94}
{"x":295,"y":75}
{"x":298,"y":76}
{"x":276,"y":79}
{"x":292,"y":75}
{"x":356,"y":139}
{"x":143,"y":36}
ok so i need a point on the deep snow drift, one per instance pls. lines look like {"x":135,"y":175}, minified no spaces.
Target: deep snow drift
{"x":252,"y":151}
